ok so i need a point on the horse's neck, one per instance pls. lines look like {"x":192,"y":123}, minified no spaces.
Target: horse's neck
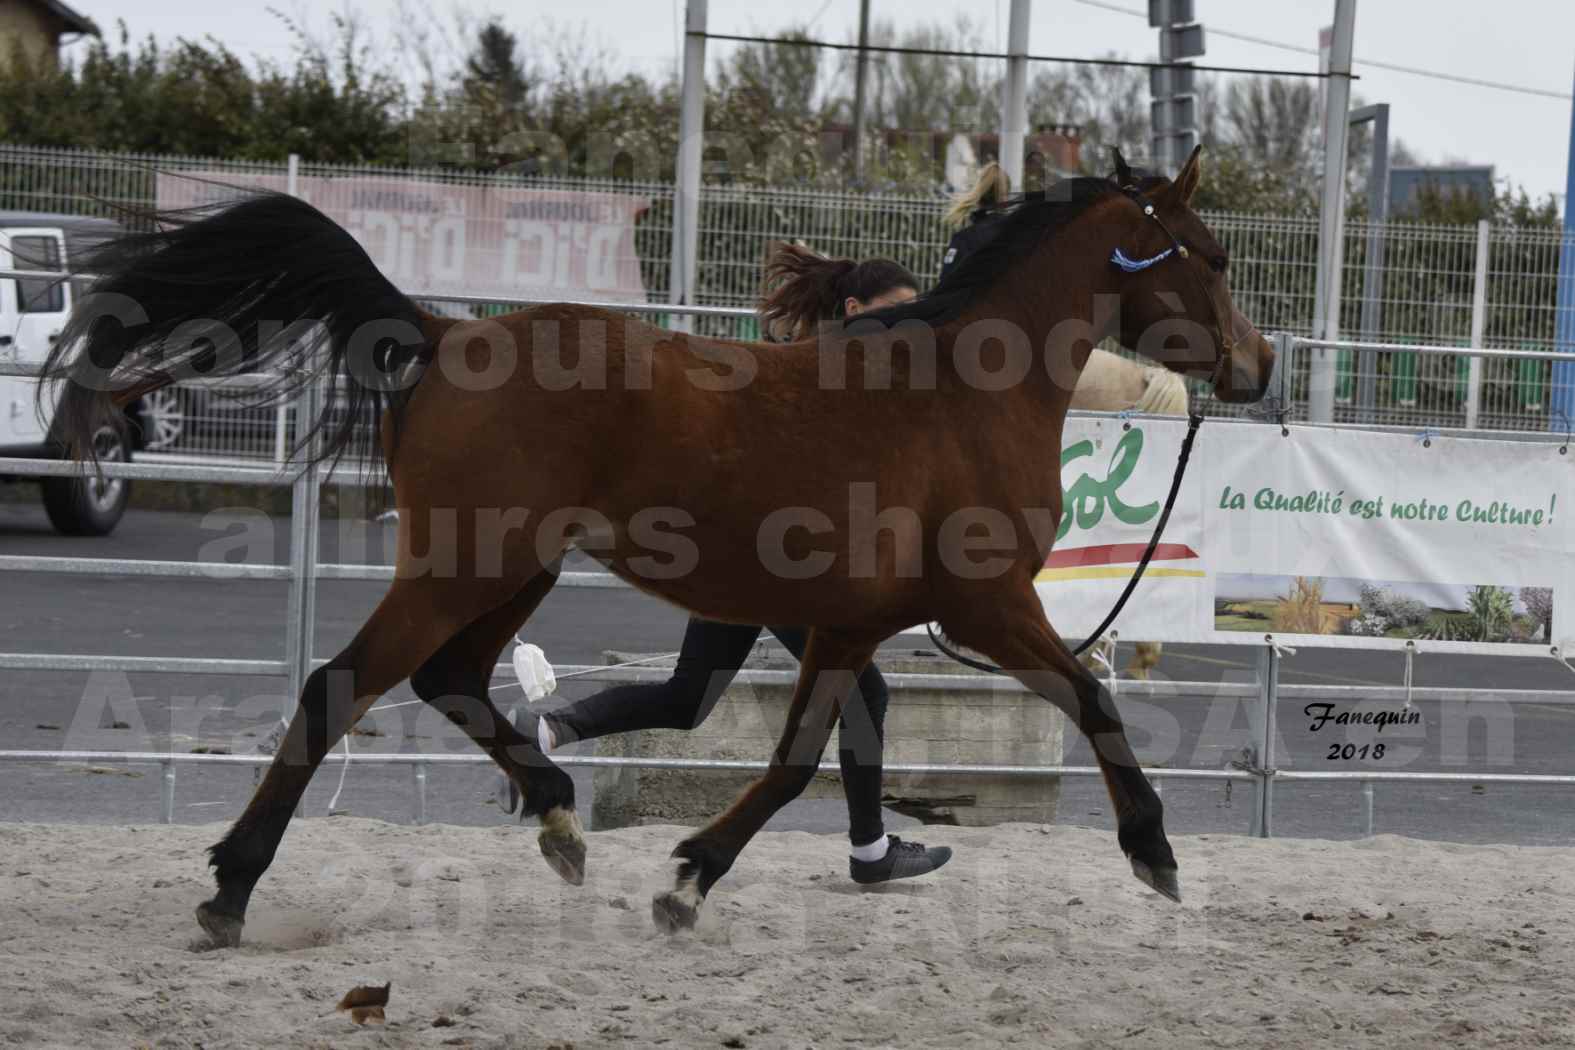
{"x":1065,"y":304}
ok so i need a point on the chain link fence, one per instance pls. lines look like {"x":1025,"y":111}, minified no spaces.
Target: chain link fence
{"x":1401,"y":283}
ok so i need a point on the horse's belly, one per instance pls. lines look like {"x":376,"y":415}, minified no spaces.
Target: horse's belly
{"x":760,"y":585}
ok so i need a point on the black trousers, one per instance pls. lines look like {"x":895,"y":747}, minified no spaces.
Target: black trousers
{"x":711,"y":655}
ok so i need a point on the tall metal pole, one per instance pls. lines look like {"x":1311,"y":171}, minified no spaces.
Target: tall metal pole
{"x":686,"y":193}
{"x":1561,"y":398}
{"x":1014,"y":94}
{"x":305,"y":515}
{"x":1478,"y":324}
{"x":281,"y":412}
{"x":1331,"y":219}
{"x":1173,"y":105}
{"x":305,"y":519}
{"x":1373,"y":272}
{"x":1269,"y":696}
{"x":860,"y":82}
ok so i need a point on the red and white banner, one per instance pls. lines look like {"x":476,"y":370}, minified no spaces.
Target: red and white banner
{"x":1114,"y":480}
{"x":448,"y":238}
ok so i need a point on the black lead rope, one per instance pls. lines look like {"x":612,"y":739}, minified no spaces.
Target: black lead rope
{"x":1194,"y":420}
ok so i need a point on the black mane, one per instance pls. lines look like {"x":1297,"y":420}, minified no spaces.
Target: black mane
{"x":1026,"y":220}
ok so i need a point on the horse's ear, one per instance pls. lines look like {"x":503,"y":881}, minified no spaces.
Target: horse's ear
{"x":1186,"y":182}
{"x":1123,"y":172}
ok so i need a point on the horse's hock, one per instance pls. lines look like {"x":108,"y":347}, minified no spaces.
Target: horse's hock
{"x":932,"y":726}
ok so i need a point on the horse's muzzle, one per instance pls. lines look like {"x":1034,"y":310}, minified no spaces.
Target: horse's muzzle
{"x":1250,"y":368}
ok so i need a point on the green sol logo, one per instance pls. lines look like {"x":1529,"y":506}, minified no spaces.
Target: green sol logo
{"x":1087,"y":498}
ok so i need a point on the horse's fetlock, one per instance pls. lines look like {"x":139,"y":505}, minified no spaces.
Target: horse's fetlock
{"x":701,"y":862}
{"x":235,"y":858}
{"x":1141,"y":834}
{"x":546,"y":788}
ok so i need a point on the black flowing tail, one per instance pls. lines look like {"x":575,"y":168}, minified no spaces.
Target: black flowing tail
{"x":264,"y":284}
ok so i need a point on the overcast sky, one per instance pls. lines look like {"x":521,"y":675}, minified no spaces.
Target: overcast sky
{"x":1530,"y":43}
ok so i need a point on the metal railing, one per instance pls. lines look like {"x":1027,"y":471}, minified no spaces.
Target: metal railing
{"x":303,"y":570}
{"x":421,"y":765}
{"x":1469,"y":364}
{"x":242,"y":432}
{"x":202,"y":421}
{"x":1261,"y":774}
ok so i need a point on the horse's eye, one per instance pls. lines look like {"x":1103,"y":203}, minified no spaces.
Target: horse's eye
{"x":1219,"y":263}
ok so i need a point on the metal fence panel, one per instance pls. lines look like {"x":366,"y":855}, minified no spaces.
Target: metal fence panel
{"x":1420,"y":288}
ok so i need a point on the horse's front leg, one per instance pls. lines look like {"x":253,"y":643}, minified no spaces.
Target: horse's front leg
{"x":1012,"y":630}
{"x":827,"y":676}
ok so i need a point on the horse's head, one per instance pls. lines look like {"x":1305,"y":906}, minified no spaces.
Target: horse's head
{"x":1175,"y":306}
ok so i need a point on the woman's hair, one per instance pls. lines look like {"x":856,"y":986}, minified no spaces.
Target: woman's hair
{"x":802,"y":287}
{"x":991,"y":188}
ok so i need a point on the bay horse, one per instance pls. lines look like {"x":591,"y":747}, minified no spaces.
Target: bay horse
{"x":737,"y":480}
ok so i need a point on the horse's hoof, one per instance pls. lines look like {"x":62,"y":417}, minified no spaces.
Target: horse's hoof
{"x":562,"y":842}
{"x":1161,"y":880}
{"x":224,"y":929}
{"x":675,"y":910}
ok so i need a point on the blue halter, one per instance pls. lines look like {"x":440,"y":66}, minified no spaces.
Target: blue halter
{"x":1135,"y":265}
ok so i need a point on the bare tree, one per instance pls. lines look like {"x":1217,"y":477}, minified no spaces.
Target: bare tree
{"x":1108,"y":104}
{"x":784,"y":77}
{"x":1274,"y":120}
{"x":930,"y":92}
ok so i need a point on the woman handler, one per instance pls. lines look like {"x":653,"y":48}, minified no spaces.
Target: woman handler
{"x":802,"y":289}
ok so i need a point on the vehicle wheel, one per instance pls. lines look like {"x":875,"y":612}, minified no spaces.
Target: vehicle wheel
{"x":90,"y":505}
{"x":162,"y":417}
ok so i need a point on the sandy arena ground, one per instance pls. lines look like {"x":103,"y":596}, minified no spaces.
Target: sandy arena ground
{"x":1033,"y":936}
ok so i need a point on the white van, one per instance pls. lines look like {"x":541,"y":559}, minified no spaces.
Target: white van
{"x":32,"y":315}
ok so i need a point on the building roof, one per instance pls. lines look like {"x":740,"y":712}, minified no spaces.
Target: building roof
{"x":1471,"y":180}
{"x":73,"y":21}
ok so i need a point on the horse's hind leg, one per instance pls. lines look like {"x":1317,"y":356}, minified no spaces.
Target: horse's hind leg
{"x":454,"y":681}
{"x":408,"y":625}
{"x":827,"y":675}
{"x":1015,"y":634}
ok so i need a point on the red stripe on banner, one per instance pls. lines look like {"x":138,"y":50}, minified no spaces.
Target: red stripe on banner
{"x":1116,"y":554}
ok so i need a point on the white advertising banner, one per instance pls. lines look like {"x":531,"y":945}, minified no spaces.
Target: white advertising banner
{"x":1333,"y":537}
{"x":1358,"y":538}
{"x":1115,"y":478}
{"x":452,"y":238}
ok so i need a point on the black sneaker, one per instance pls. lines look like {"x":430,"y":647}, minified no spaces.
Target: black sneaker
{"x":903,"y":860}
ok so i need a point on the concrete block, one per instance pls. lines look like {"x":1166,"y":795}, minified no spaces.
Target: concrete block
{"x":923,"y":726}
